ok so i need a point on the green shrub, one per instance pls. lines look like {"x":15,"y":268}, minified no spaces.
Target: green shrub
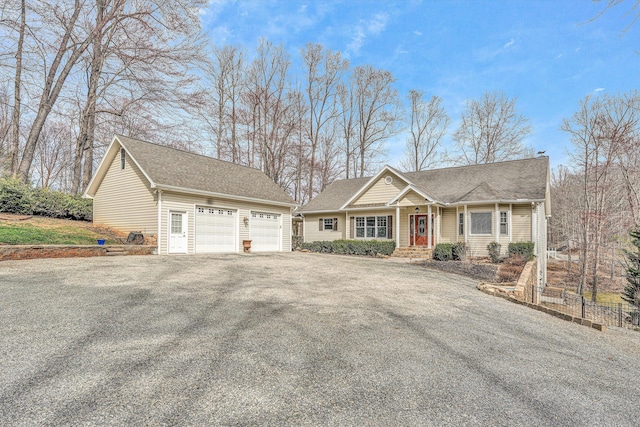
{"x":19,"y":198}
{"x":494,"y":252}
{"x":15,"y":197}
{"x":443,"y":252}
{"x":523,"y":249}
{"x":352,"y":247}
{"x":459,"y":251}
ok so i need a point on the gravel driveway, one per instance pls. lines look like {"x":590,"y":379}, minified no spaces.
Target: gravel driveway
{"x":293,"y":339}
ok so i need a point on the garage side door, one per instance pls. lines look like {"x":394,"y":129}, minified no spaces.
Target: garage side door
{"x":215,"y":230}
{"x":265,"y":232}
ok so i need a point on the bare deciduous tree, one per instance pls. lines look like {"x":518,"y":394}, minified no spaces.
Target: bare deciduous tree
{"x":377,"y":112}
{"x":323,"y":71}
{"x":428,"y":123}
{"x":490,"y":130}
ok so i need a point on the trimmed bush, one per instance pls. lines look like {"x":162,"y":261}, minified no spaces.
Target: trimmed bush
{"x":494,"y":252}
{"x":18,"y":198}
{"x":523,"y":249}
{"x":352,"y":247}
{"x":443,"y":252}
{"x":15,"y":197}
{"x":459,"y":251}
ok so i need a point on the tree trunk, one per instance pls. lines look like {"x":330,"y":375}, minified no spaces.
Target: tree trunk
{"x":54,"y":82}
{"x":84,"y":142}
{"x":15,"y":148}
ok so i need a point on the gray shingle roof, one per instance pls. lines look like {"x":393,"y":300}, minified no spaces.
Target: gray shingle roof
{"x":524,"y":179}
{"x":168,"y":166}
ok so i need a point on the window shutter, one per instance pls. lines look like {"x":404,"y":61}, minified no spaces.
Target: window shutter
{"x":320,"y":224}
{"x":390,"y":227}
{"x":351,"y":226}
{"x":335,"y":224}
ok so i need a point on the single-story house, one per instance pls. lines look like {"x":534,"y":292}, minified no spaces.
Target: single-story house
{"x":498,"y":202}
{"x":191,"y":203}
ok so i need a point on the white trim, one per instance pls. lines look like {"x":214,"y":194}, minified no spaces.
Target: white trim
{"x":510,"y":222}
{"x":373,"y":179}
{"x":406,"y":190}
{"x":497,"y":222}
{"x":397,"y":226}
{"x":159,"y":233}
{"x":465,"y":225}
{"x":347,"y":226}
{"x":221,"y":195}
{"x":429,"y":226}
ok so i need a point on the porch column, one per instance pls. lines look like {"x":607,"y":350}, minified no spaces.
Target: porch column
{"x":429,"y":224}
{"x":465,"y":224}
{"x":510,"y":222}
{"x":397,"y":226}
{"x":347,"y":226}
{"x":497,"y":223}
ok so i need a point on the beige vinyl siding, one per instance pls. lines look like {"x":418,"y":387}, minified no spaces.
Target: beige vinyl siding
{"x":521,"y":223}
{"x":187,"y":203}
{"x":381,"y":192}
{"x":313,"y":234}
{"x":412,"y":199}
{"x":124,"y":200}
{"x":449,"y":226}
{"x":312,"y":231}
{"x":477,"y":244}
{"x":404,"y":226}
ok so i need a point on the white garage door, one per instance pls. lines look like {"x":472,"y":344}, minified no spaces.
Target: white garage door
{"x":265,"y":232}
{"x":215,"y":230}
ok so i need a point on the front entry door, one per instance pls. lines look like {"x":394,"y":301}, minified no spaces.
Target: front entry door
{"x":178,"y":233}
{"x":418,"y":230}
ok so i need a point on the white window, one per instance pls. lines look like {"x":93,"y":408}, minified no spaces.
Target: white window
{"x":122,"y":158}
{"x":504,"y":224}
{"x":325,"y":224}
{"x":461,"y":224}
{"x":371,"y":227}
{"x":481,"y":223}
{"x":360,"y":226}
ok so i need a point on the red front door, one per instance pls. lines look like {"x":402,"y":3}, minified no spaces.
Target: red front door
{"x":418,"y":230}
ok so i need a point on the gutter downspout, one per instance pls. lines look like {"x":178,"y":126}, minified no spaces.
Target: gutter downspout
{"x":159,"y":234}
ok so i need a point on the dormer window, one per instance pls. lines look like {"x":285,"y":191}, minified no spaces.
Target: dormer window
{"x":122,"y":159}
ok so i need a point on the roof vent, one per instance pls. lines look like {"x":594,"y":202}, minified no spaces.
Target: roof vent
{"x":388,"y":180}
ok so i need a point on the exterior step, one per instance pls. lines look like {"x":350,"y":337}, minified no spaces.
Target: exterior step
{"x":412,"y":252}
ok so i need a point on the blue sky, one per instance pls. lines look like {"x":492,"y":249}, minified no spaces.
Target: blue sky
{"x":545,"y":53}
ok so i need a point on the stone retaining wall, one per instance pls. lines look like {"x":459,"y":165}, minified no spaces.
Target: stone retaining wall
{"x":17,"y":252}
{"x":488,"y":289}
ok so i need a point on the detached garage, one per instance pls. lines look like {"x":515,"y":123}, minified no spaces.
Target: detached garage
{"x":189,"y":202}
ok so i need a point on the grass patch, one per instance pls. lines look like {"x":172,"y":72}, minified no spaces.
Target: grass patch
{"x":605,"y":297}
{"x":28,"y":234}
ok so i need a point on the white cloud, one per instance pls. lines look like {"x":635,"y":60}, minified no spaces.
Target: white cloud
{"x":598,"y":89}
{"x":509,"y":43}
{"x":417,"y":33}
{"x":365,"y":28}
{"x":378,"y":23}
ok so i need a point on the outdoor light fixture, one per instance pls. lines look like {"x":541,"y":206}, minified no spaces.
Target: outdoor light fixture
{"x":417,"y":209}
{"x":246,"y":221}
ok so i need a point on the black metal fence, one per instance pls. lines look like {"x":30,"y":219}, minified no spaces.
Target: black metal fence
{"x":621,"y":314}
